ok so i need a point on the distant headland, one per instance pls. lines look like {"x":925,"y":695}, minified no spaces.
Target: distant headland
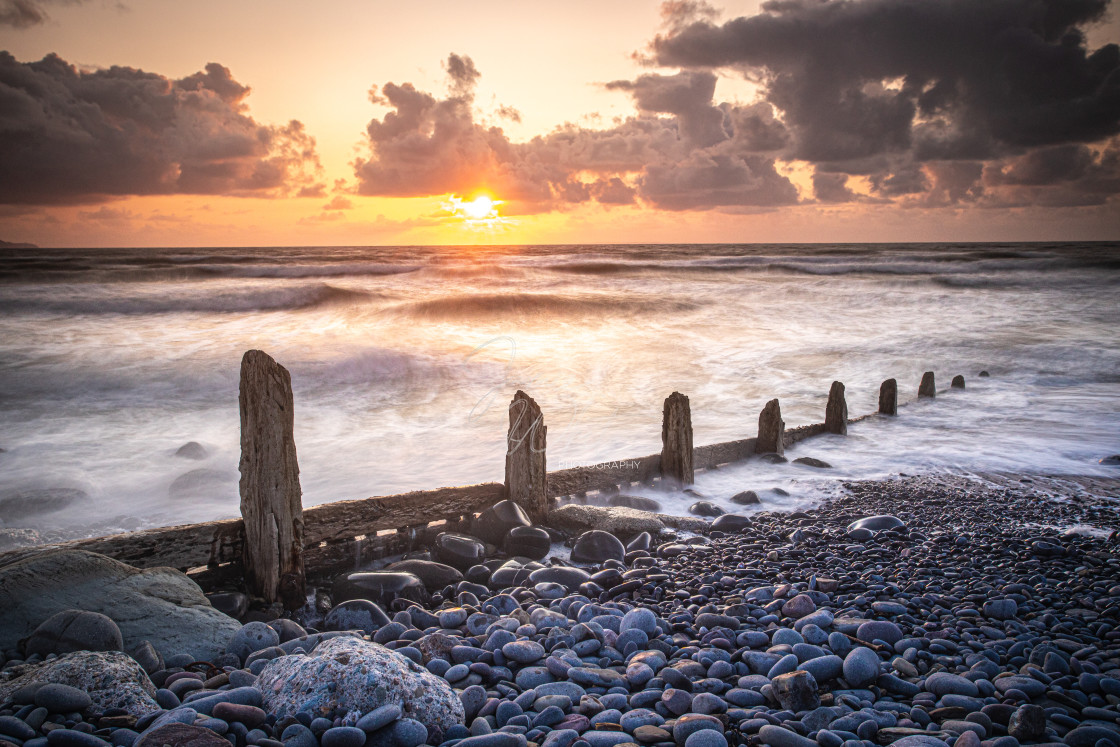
{"x":17,"y":245}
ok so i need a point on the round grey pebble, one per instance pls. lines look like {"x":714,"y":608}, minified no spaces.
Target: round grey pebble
{"x":58,"y":698}
{"x":706,"y":738}
{"x":861,"y":667}
{"x":343,"y":736}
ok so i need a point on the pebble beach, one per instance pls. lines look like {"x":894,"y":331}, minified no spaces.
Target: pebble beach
{"x":913,"y":611}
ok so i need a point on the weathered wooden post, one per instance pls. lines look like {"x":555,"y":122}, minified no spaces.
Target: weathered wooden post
{"x":836,"y":411}
{"x":676,"y":442}
{"x":526,"y":473}
{"x":271,"y":502}
{"x":888,"y":397}
{"x":771,"y":430}
{"x":957,"y":382}
{"x":927,"y":388}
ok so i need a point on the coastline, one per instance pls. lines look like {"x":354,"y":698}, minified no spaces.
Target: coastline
{"x":988,"y":617}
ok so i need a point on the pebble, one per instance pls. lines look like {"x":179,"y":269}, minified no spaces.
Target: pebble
{"x":861,"y":667}
{"x":59,"y":698}
{"x":343,"y":736}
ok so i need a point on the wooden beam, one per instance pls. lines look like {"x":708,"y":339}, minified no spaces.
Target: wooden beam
{"x":706,"y":457}
{"x":345,"y":520}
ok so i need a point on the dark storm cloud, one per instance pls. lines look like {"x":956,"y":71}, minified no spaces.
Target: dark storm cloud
{"x":70,"y":136}
{"x":1018,"y":71}
{"x":832,"y":188}
{"x":681,"y":152}
{"x":920,"y":94}
{"x":21,"y":14}
{"x":688,"y":96}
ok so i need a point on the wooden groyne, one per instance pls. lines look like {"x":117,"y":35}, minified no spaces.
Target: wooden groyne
{"x":277,"y":544}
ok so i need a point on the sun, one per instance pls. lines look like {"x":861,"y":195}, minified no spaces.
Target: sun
{"x":480,"y":208}
{"x":480,"y":211}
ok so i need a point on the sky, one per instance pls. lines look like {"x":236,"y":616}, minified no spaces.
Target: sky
{"x":361,"y":122}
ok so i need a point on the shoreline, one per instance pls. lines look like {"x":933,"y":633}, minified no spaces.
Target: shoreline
{"x":973,"y":621}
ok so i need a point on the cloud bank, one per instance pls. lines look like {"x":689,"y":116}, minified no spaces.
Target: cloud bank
{"x":920,"y":96}
{"x":921,"y":103}
{"x":680,"y":152}
{"x":912,"y":103}
{"x":70,"y":136}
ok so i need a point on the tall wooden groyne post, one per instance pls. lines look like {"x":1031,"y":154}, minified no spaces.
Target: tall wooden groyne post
{"x":676,"y":442}
{"x":888,"y":397}
{"x":526,"y":469}
{"x":271,"y":499}
{"x":771,"y":430}
{"x":836,"y":411}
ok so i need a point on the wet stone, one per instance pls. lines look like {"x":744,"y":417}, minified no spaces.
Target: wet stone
{"x":459,"y":551}
{"x":796,"y":691}
{"x":528,"y":542}
{"x":495,"y":523}
{"x":596,"y":546}
{"x":379,"y":587}
{"x":746,"y":498}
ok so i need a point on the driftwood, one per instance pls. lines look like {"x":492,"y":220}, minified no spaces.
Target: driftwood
{"x":526,"y":471}
{"x":676,"y":442}
{"x":271,"y":499}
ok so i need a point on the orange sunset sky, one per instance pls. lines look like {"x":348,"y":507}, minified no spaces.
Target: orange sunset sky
{"x":161,"y":123}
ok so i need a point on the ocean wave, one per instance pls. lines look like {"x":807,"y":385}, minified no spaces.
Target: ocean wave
{"x":228,"y":301}
{"x":605,"y":268}
{"x":825,"y":265}
{"x":310,"y":270}
{"x":474,"y":305}
{"x":212,"y":268}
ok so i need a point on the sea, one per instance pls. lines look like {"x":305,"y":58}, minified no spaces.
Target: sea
{"x":404,"y":359}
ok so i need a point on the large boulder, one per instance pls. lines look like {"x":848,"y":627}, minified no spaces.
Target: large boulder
{"x":110,"y":678}
{"x":345,"y":675}
{"x":159,"y":605}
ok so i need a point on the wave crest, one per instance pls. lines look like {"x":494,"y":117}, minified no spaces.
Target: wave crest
{"x":474,"y":305}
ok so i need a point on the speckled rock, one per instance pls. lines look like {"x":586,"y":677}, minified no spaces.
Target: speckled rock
{"x":348,"y":674}
{"x":112,"y":679}
{"x":180,"y":735}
